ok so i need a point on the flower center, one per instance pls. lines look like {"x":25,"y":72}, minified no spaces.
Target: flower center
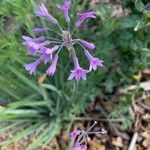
{"x":67,"y":38}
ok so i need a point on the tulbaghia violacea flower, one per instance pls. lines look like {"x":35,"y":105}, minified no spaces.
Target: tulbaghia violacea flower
{"x":78,"y":72}
{"x":51,"y":70}
{"x":103,"y":131}
{"x":65,"y":8}
{"x":35,"y":44}
{"x":51,"y":50}
{"x":80,"y":137}
{"x":85,"y":16}
{"x":94,"y":62}
{"x":43,"y":12}
{"x":45,"y":47}
{"x":48,"y":53}
{"x":78,"y":146}
{"x":32,"y":66}
{"x":29,"y":39}
{"x":87,"y":44}
{"x":74,"y":134}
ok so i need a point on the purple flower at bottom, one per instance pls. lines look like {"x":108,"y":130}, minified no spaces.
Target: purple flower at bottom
{"x":65,"y":8}
{"x":87,"y":44}
{"x":77,"y":146}
{"x":32,"y":66}
{"x":94,"y":62}
{"x":74,"y":134}
{"x":85,"y":16}
{"x":103,"y":131}
{"x":43,"y":12}
{"x":51,"y":70}
{"x":78,"y":72}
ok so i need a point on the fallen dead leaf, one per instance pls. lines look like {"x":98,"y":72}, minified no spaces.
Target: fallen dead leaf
{"x":118,"y":142}
{"x":146,"y":116}
{"x":41,"y":78}
{"x":146,"y":143}
{"x":146,"y":134}
{"x":96,"y":146}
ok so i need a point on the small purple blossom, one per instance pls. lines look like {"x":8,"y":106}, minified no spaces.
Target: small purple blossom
{"x":51,"y":70}
{"x":87,"y":44}
{"x":103,"y":131}
{"x":85,"y":16}
{"x":45,"y":43}
{"x":39,"y":30}
{"x":33,"y":45}
{"x":51,"y":50}
{"x":32,"y":66}
{"x":81,"y":138}
{"x":47,"y":53}
{"x":46,"y":57}
{"x":94,"y":62}
{"x":29,"y":39}
{"x":43,"y":12}
{"x":78,"y":73}
{"x":74,"y":134}
{"x":78,"y":146}
{"x":65,"y":8}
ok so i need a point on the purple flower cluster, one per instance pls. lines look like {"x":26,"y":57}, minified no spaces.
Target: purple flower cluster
{"x":48,"y":48}
{"x":80,"y":137}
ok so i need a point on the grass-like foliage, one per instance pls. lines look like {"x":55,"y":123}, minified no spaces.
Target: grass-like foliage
{"x":27,"y":106}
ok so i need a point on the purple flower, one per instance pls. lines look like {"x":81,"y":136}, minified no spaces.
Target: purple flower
{"x":74,"y":134}
{"x":45,"y":43}
{"x":32,"y":66}
{"x":77,"y":146}
{"x":103,"y":131}
{"x":87,"y":44}
{"x":46,"y":57}
{"x":33,"y":44}
{"x":94,"y":62}
{"x":43,"y":12}
{"x":47,"y":53}
{"x":65,"y":8}
{"x":78,"y":72}
{"x":51,"y":50}
{"x":39,"y":30}
{"x":51,"y":70}
{"x":85,"y":16}
{"x":32,"y":47}
{"x":27,"y":39}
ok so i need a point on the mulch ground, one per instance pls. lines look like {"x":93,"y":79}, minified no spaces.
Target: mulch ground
{"x":136,"y":137}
